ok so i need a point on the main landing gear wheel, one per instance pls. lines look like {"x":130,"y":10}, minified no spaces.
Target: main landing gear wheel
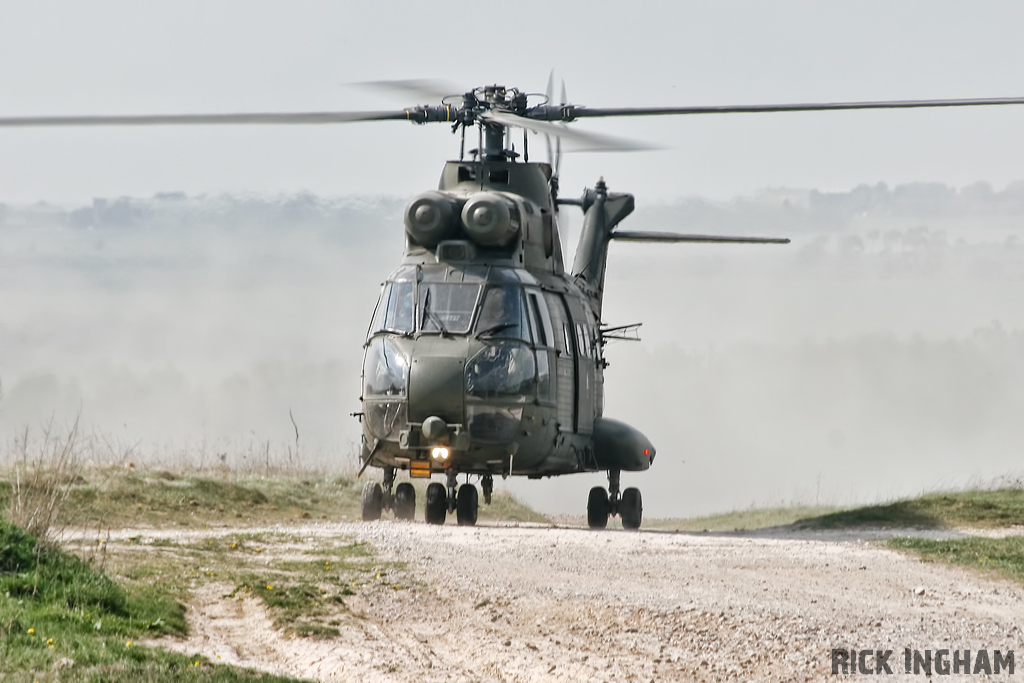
{"x":436,"y":508}
{"x":372,"y":501}
{"x":405,"y":501}
{"x":467,"y":505}
{"x":631,"y":509}
{"x":598,"y":508}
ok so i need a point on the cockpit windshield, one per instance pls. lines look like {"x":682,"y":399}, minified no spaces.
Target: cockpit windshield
{"x":502,"y":314}
{"x":447,"y":307}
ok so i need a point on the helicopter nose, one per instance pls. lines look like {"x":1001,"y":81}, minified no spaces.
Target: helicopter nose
{"x":436,"y":385}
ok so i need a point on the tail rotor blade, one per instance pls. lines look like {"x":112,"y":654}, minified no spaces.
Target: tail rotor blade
{"x":558,"y":150}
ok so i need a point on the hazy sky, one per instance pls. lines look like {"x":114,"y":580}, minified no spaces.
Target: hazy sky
{"x":151,"y":343}
{"x":254,"y":55}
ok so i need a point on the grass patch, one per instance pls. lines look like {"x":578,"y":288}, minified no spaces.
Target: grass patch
{"x":981,"y":509}
{"x":158,"y":498}
{"x":306,"y":597}
{"x":1004,"y":556}
{"x":154,"y":499}
{"x":61,"y":617}
{"x":740,"y":520}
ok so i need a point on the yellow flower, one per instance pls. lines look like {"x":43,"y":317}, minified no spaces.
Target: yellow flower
{"x":31,"y":630}
{"x":49,"y":640}
{"x":270,"y":588}
{"x":128,"y":644}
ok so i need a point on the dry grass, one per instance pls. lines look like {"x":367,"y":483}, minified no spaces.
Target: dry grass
{"x":41,"y":480}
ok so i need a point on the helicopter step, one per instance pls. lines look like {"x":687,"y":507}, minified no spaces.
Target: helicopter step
{"x":602,"y":503}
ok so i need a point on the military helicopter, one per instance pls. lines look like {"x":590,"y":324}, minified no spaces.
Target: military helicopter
{"x":484,"y":355}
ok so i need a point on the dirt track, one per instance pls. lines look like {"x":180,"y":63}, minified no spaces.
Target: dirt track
{"x":540,"y":604}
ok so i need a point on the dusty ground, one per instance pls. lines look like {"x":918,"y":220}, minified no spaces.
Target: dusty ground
{"x":560,"y":604}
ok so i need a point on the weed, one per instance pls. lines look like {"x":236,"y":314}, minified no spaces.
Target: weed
{"x":41,"y":478}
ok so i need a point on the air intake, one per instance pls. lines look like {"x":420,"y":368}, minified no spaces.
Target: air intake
{"x":454,"y":251}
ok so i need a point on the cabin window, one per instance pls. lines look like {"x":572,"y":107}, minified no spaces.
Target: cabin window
{"x":542,"y":334}
{"x":447,"y":307}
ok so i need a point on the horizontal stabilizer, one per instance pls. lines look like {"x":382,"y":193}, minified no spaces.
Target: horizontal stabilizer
{"x":628,"y":236}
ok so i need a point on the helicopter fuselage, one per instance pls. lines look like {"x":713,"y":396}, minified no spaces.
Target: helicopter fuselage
{"x":484,"y":356}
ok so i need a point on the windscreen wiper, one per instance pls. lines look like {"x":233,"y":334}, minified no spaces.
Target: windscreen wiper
{"x":495,"y":328}
{"x":433,"y":316}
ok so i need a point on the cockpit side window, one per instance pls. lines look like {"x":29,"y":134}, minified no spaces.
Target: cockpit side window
{"x":502,"y":314}
{"x":395,"y":309}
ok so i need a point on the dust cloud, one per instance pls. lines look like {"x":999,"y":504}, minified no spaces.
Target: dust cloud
{"x":880,"y":354}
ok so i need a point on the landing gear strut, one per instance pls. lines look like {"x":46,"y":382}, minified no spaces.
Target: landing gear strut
{"x":487,"y":484}
{"x":388,"y":498}
{"x":601,"y":504}
{"x":453,"y":482}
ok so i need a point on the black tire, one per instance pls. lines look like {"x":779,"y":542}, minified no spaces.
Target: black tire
{"x":598,"y":508}
{"x":467,"y":504}
{"x":631,"y":509}
{"x":405,"y":501}
{"x":373,"y":501}
{"x":436,"y":508}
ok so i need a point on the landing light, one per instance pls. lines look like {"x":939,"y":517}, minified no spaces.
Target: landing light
{"x":439,"y":453}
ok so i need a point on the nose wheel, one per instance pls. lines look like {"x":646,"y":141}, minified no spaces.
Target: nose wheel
{"x":441,"y":499}
{"x":602,"y":503}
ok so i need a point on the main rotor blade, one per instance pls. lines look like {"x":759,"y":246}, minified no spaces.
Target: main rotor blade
{"x":572,"y":112}
{"x":581,"y":141}
{"x":311,"y":118}
{"x":626,"y":236}
{"x":548,"y":94}
{"x":428,"y":89}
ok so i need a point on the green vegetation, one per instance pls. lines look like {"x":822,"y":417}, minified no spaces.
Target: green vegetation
{"x":163,"y":498}
{"x":741,"y":520}
{"x":307,"y":597}
{"x":160,"y":498}
{"x":1004,"y":556}
{"x":60,"y":617}
{"x":979,"y":508}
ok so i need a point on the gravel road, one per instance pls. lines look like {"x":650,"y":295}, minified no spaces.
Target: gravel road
{"x":560,"y":604}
